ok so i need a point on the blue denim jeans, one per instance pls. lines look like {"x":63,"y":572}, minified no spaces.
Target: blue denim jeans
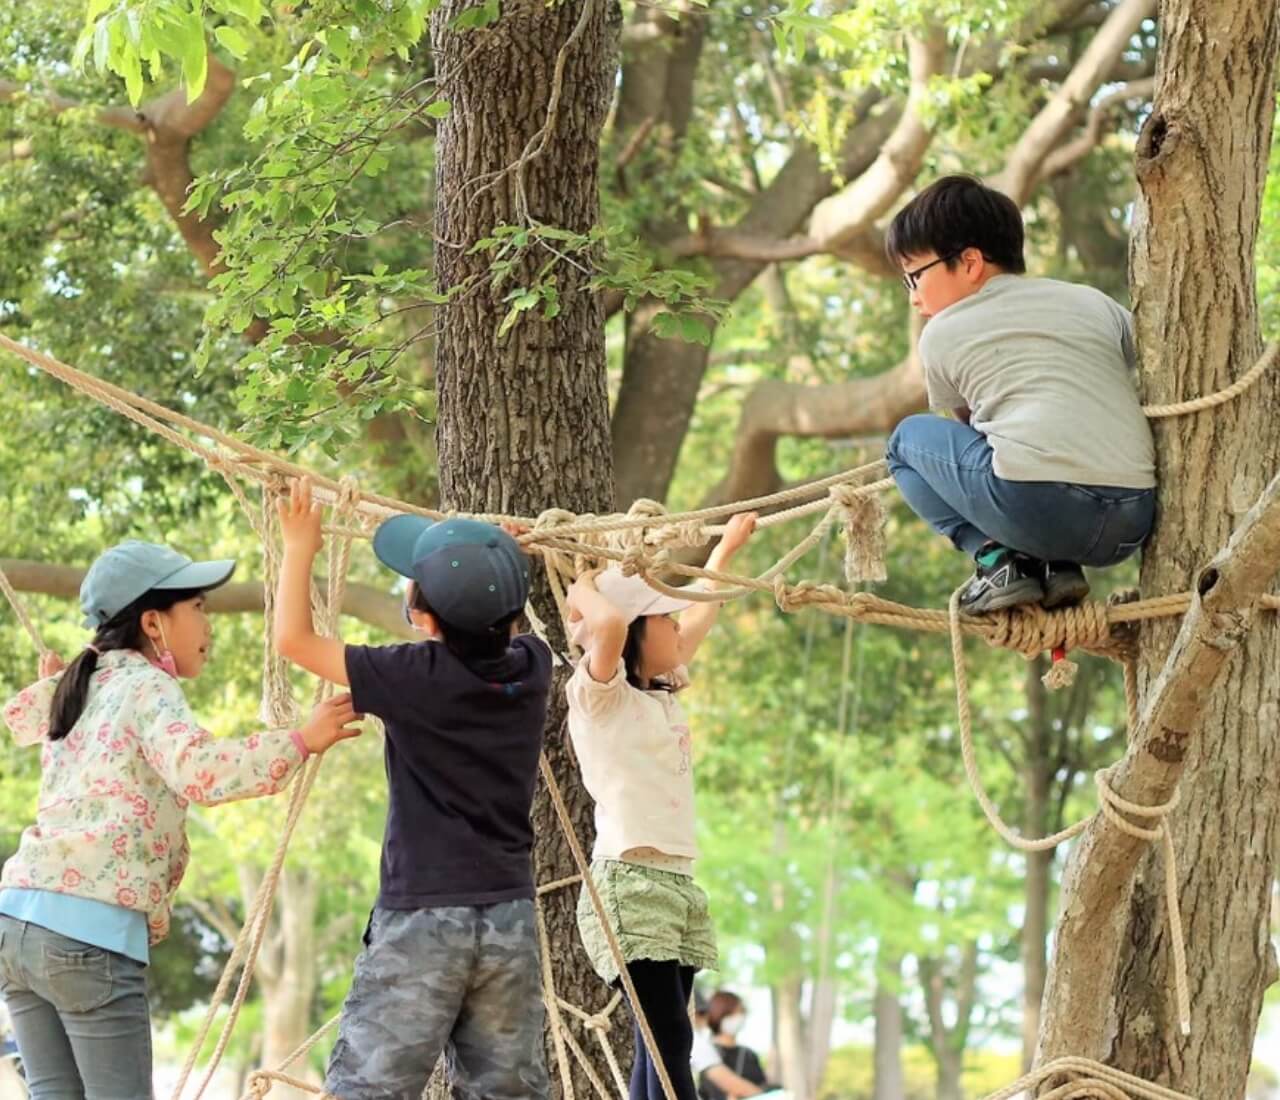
{"x":943,"y":469}
{"x":79,"y":1013}
{"x":465,"y":980}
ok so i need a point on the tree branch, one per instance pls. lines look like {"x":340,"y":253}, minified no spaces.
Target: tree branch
{"x":167,"y":124}
{"x":1102,"y":865}
{"x":851,"y":213}
{"x":362,"y":601}
{"x":1068,"y":155}
{"x":1057,"y":117}
{"x":216,"y":915}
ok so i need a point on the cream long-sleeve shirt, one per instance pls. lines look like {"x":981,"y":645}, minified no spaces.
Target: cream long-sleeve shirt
{"x":634,"y":750}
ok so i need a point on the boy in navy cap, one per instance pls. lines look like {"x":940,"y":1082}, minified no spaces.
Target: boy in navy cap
{"x":451,"y":960}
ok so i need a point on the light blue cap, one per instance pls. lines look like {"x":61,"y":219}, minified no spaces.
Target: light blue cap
{"x":126,"y":571}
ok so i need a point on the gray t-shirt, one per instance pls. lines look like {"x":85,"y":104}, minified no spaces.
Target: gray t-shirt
{"x":1046,"y":369}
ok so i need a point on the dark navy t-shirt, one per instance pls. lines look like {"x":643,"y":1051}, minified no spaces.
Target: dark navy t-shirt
{"x":462,"y":752}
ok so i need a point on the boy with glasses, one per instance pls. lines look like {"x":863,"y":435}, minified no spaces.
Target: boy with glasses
{"x":1048,"y":464}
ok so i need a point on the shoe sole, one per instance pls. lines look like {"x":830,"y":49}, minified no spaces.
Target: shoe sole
{"x":1065,"y":595}
{"x":1013,"y":595}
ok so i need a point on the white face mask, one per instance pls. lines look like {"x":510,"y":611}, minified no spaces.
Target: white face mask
{"x":731,"y":1025}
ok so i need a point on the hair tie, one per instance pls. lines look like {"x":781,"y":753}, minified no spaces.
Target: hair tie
{"x":93,"y":649}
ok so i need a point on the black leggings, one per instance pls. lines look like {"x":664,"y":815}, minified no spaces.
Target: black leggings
{"x":663,"y":989}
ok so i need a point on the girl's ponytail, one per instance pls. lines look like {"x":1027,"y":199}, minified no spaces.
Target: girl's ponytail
{"x":72,"y":694}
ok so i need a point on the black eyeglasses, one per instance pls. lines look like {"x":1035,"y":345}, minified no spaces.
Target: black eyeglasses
{"x":911,"y":279}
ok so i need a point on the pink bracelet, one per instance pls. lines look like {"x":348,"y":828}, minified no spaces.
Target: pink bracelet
{"x":299,"y":744}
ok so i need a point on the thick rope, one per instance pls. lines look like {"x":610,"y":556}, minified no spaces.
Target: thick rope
{"x":615,"y":948}
{"x":255,"y":464}
{"x":20,"y":610}
{"x":254,"y":931}
{"x":1029,"y":632}
{"x":1111,"y":804}
{"x":1229,"y":393}
{"x":1084,"y":1078}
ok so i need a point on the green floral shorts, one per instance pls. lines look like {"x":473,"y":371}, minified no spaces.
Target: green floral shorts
{"x":654,"y":914}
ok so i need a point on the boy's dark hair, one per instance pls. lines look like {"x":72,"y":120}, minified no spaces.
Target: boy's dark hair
{"x":122,"y":631}
{"x":467,"y":645}
{"x":955,"y":213}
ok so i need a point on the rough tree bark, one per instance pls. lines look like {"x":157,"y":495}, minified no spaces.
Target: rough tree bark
{"x":1201,"y":167}
{"x":524,"y":422}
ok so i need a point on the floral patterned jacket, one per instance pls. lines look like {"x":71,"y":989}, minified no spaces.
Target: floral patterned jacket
{"x":111,"y":820}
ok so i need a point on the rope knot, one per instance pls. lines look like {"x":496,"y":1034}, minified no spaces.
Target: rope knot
{"x":690,"y":532}
{"x":643,"y":507}
{"x":805,"y":594}
{"x":637,"y":561}
{"x":259,"y":1085}
{"x":864,"y":521}
{"x":599,"y":1022}
{"x":348,"y":494}
{"x":548,"y":520}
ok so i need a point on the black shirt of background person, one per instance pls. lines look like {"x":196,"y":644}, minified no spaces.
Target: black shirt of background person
{"x":743,"y":1061}
{"x":461,"y":756}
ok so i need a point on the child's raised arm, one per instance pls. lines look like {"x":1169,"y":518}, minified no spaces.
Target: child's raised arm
{"x":699,"y":619}
{"x":296,"y":637}
{"x":606,"y":628}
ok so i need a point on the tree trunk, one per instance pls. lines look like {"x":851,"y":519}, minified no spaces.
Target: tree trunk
{"x":1201,"y":165}
{"x":1038,"y":771}
{"x":289,"y":984}
{"x":523,"y":422}
{"x":947,"y":1044}
{"x":789,"y":1030}
{"x":889,"y":1081}
{"x":950,"y":1068}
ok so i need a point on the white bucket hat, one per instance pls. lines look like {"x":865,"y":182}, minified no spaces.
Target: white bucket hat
{"x":633,"y":597}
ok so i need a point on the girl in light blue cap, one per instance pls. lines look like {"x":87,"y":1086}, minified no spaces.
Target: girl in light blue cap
{"x":92,"y":883}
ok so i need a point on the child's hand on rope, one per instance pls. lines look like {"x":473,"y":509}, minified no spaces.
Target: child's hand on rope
{"x":300,"y":519}
{"x":330,"y":722}
{"x":50,"y":665}
{"x":736,"y":533}
{"x":516,"y":531}
{"x":584,"y":582}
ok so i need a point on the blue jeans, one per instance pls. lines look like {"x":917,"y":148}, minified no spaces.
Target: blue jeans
{"x":465,"y":980}
{"x":943,"y":469}
{"x":79,"y":1013}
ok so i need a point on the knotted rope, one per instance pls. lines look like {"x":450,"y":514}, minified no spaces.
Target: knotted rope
{"x":1112,"y":806}
{"x":1085,"y":1079}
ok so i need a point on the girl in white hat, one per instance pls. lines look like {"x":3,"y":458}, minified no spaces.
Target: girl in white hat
{"x":632,"y":741}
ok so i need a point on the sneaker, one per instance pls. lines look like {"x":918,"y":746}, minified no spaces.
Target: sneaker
{"x":1064,"y":584}
{"x":1007,"y":579}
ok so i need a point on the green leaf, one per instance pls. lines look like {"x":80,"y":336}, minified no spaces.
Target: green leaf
{"x":508,"y":322}
{"x":133,"y":83}
{"x":438,"y":108}
{"x":248,"y":10}
{"x":233,"y":41}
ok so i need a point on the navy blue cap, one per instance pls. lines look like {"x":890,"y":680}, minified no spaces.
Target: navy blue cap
{"x":474,"y":575}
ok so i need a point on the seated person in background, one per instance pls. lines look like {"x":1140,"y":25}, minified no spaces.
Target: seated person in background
{"x":725,"y":1016}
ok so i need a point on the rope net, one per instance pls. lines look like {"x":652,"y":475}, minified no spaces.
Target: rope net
{"x":643,"y":541}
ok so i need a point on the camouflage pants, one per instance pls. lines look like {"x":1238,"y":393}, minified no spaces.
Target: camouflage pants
{"x":462,"y":980}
